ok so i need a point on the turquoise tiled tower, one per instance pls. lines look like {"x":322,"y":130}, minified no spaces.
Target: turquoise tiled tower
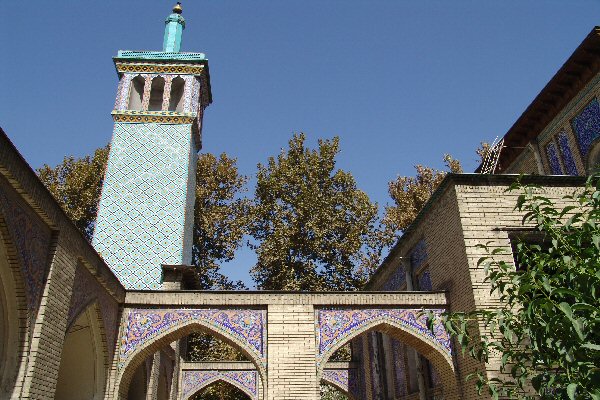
{"x":146,"y":211}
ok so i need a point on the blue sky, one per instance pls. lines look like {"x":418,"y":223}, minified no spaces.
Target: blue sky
{"x":400,"y":82}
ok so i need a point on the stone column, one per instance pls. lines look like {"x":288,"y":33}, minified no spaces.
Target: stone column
{"x":389,"y":366}
{"x":151,"y":394}
{"x":538,"y":159}
{"x":410,"y":285}
{"x":291,"y":348}
{"x":176,"y":370}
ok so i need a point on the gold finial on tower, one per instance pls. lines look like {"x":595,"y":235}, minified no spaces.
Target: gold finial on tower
{"x":177,"y":9}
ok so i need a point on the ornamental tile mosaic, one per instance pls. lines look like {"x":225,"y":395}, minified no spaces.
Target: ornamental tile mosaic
{"x":194,"y":381}
{"x":567,"y":155}
{"x":160,"y":68}
{"x":142,"y":216}
{"x":32,"y":239}
{"x":553,"y":160}
{"x":187,"y":93}
{"x":345,"y":379}
{"x":144,"y":325}
{"x":167,"y":92}
{"x":336,"y":326}
{"x":123,"y":92}
{"x":586,"y":126}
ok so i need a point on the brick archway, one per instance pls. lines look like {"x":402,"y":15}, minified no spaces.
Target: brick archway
{"x":146,"y":331}
{"x":336,"y":327}
{"x":15,"y":328}
{"x":84,"y":360}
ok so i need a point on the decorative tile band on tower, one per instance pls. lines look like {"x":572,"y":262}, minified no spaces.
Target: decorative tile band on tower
{"x":337,"y":326}
{"x":142,"y":216}
{"x":144,"y":325}
{"x":194,"y":381}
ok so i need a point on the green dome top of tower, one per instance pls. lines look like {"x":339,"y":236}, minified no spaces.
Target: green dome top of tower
{"x":174,"y":26}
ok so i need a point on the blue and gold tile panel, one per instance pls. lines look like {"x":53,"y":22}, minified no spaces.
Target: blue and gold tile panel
{"x":552,"y":154}
{"x":337,"y":326}
{"x":567,"y":155}
{"x":247,"y":327}
{"x":143,"y":213}
{"x":586,"y":126}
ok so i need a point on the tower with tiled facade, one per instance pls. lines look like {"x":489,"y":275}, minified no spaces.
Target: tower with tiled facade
{"x":145,"y":217}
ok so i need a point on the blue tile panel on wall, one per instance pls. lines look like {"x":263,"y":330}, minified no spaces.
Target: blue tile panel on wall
{"x":567,"y":155}
{"x":397,"y":279}
{"x":143,"y":220}
{"x":587,"y":126}
{"x":555,"y":167}
{"x":418,"y":255}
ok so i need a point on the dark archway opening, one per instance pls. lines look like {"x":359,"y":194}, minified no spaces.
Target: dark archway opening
{"x":220,"y":390}
{"x":386,"y":365}
{"x":157,"y":91}
{"x":176,"y":95}
{"x":136,"y":93}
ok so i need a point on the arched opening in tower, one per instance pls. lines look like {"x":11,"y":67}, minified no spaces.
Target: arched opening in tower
{"x":136,"y":93}
{"x":157,"y":91}
{"x":176,"y":95}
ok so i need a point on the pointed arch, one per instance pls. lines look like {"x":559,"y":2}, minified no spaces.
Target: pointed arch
{"x":439,"y":356}
{"x":14,"y":318}
{"x":83,"y":366}
{"x":157,"y":93}
{"x":219,"y":377}
{"x":136,"y":93}
{"x":176,"y":94}
{"x":128,"y":364}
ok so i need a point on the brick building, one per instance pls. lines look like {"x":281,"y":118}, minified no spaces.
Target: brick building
{"x":110,"y":320}
{"x":556,"y":142}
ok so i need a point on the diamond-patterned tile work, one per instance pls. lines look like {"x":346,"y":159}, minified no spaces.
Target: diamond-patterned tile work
{"x":141,"y":222}
{"x":552,"y":154}
{"x":587,"y":126}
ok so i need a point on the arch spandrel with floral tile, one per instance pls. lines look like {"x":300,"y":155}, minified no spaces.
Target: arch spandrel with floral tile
{"x":194,"y":381}
{"x":246,"y":327}
{"x":336,"y":326}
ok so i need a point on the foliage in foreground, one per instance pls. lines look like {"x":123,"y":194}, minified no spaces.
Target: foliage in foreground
{"x":547,"y":330}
